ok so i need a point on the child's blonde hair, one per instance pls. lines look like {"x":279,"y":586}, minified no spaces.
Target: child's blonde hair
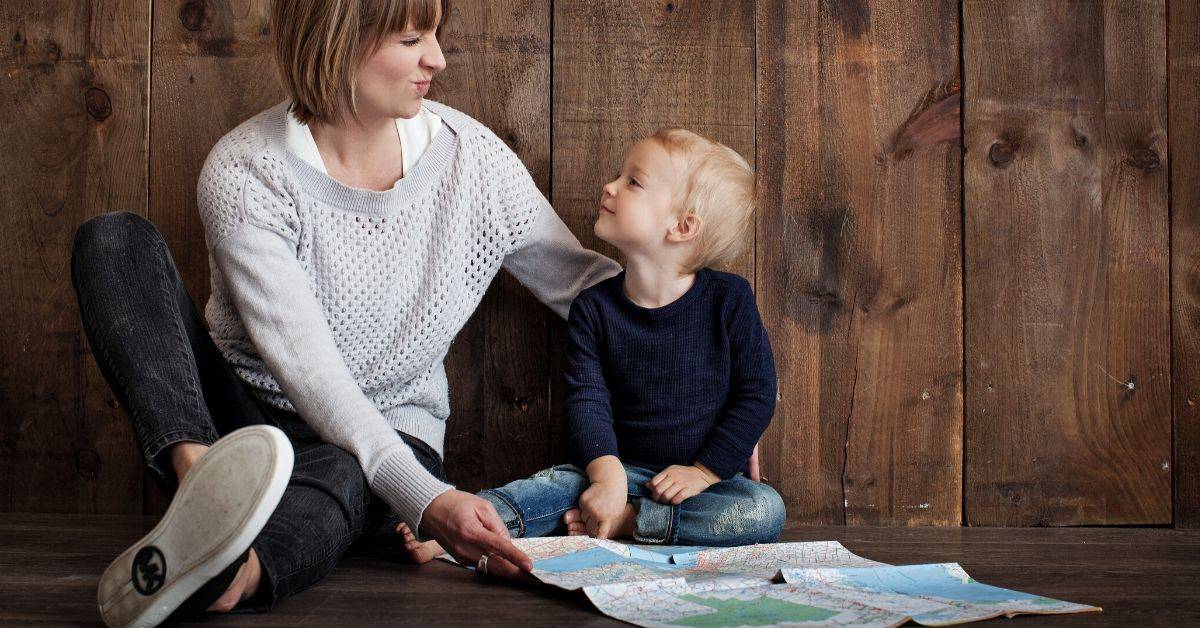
{"x":719,"y":189}
{"x":319,"y":45}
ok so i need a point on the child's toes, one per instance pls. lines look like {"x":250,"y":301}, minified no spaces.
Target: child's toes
{"x":424,"y":552}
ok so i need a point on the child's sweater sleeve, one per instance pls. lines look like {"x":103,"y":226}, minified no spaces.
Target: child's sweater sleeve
{"x":752,"y":390}
{"x":588,"y":402}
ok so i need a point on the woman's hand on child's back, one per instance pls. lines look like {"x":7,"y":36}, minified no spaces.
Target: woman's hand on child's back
{"x":679,"y":482}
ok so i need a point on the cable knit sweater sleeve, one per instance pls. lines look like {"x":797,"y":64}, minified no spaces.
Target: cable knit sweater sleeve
{"x":548,"y":259}
{"x":252,"y":231}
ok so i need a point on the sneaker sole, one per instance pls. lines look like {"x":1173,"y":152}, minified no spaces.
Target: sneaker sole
{"x":221,"y":506}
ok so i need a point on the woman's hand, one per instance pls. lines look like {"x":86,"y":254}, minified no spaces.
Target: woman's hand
{"x":468,"y":527}
{"x":601,"y":506}
{"x":679,"y":482}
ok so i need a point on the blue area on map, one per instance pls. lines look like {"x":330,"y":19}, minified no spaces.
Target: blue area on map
{"x":931,"y":580}
{"x":598,"y":557}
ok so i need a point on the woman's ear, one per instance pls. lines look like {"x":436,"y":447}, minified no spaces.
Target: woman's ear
{"x":686,"y":228}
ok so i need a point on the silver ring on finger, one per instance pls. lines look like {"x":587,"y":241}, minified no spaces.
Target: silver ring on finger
{"x":482,"y":565}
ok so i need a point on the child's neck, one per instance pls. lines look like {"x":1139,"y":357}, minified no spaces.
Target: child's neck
{"x":652,"y":284}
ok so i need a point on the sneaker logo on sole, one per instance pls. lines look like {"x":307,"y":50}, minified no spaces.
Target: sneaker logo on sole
{"x":149,"y":570}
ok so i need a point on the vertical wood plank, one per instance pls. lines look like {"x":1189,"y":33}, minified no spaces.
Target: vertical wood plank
{"x":622,"y":70}
{"x":498,"y":71}
{"x":859,"y":257}
{"x":74,"y":130}
{"x":1184,"y":51}
{"x":212,"y":70}
{"x":1067,"y":327}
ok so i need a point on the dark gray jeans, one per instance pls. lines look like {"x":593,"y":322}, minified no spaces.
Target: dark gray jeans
{"x":155,"y":353}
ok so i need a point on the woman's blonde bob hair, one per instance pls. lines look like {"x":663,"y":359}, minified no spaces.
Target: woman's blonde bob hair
{"x":319,"y":45}
{"x":719,"y":189}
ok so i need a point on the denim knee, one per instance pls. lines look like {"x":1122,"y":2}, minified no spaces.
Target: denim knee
{"x":757,"y":514}
{"x":109,"y":233}
{"x":534,"y":506}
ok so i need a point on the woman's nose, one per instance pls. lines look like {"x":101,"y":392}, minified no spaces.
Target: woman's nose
{"x":433,"y":58}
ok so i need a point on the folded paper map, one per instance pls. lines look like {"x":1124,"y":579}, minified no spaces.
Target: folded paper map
{"x":773,"y":584}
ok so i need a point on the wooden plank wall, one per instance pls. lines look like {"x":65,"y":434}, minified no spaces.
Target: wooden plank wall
{"x":1183,"y":53}
{"x":1067,"y":274}
{"x":981,"y":315}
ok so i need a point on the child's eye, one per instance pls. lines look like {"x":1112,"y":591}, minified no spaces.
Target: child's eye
{"x":633,"y":181}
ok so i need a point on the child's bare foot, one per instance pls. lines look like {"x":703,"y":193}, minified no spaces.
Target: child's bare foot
{"x":419,"y":552}
{"x":624,"y":527}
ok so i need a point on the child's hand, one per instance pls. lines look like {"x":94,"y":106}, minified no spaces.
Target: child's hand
{"x":678,"y":482}
{"x":602,"y":506}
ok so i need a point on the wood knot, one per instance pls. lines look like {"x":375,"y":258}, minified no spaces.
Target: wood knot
{"x":87,"y":463}
{"x":1145,"y":158}
{"x":97,"y":103}
{"x":517,"y":400}
{"x":192,"y":14}
{"x":1001,"y":152}
{"x":670,"y":7}
{"x":114,"y":404}
{"x":511,"y":139}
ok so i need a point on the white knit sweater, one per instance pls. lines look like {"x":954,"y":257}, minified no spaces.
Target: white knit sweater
{"x":340,"y":303}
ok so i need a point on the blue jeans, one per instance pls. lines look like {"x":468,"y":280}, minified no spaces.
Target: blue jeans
{"x":157,"y":357}
{"x":737,"y":511}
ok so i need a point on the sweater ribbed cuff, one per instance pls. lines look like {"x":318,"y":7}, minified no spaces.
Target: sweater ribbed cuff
{"x":586,"y":449}
{"x":722,"y":458}
{"x":406,"y":486}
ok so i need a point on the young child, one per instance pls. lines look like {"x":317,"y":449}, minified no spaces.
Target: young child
{"x":670,"y":376}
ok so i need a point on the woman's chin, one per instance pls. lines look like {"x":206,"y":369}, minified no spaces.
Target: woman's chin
{"x":408,"y":109}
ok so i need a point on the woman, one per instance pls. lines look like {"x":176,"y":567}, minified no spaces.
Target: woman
{"x":352,"y":229}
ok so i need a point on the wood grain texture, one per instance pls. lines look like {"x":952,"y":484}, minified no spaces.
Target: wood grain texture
{"x":858,"y":265}
{"x":1140,"y":577}
{"x":74,"y":130}
{"x":1066,"y":248}
{"x":498,"y":71}
{"x":622,"y":70}
{"x":1184,"y":82}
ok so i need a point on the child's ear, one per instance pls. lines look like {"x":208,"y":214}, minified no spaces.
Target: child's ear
{"x":685,"y":229}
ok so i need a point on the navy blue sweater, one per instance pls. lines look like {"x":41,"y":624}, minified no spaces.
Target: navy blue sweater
{"x":692,"y":381}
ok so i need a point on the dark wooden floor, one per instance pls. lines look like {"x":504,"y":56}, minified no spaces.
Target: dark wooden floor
{"x":49,"y":565}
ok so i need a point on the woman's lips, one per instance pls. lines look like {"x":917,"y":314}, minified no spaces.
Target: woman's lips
{"x":422,"y":86}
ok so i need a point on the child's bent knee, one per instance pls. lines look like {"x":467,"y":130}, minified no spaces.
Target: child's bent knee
{"x":756,"y":517}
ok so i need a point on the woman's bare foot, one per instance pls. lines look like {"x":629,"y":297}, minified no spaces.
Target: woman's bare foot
{"x":419,"y":552}
{"x":184,"y":456}
{"x":244,"y":585}
{"x":623,"y":529}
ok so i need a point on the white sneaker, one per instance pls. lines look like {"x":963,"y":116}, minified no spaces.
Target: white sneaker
{"x":222,"y":504}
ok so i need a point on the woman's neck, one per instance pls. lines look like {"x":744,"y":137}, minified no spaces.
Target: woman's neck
{"x":370,"y":151}
{"x":650,"y":284}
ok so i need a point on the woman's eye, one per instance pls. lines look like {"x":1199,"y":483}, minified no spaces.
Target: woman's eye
{"x":411,"y":42}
